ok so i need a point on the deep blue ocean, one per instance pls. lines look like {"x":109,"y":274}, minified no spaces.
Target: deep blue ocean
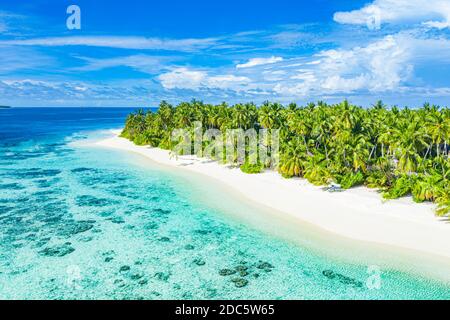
{"x":82,"y":222}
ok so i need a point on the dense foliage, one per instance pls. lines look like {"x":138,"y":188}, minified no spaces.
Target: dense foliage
{"x":398,"y":151}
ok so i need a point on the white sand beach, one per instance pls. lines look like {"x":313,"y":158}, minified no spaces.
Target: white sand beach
{"x":359,"y":213}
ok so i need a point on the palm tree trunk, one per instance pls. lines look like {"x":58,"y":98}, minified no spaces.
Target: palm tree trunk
{"x":306,"y":144}
{"x":426,"y":154}
{"x":371,"y":152}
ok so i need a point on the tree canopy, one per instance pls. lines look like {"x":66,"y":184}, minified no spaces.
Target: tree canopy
{"x":400,"y":151}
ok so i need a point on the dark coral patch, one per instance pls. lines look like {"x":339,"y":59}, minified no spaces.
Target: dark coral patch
{"x":91,"y":201}
{"x":80,"y":170}
{"x":11,"y":186}
{"x":35,"y":173}
{"x":77,"y":227}
{"x":239,"y":282}
{"x":5,"y":209}
{"x":330,"y":274}
{"x":57,"y":251}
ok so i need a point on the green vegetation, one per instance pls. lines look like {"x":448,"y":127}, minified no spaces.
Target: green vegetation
{"x":398,"y":151}
{"x":252,"y":168}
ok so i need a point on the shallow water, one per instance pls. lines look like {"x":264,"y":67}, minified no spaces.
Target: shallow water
{"x":88,"y":223}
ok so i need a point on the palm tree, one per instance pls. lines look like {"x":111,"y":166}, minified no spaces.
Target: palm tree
{"x":360,"y":153}
{"x":315,"y":170}
{"x":269,"y":115}
{"x":293,"y":158}
{"x":410,"y":140}
{"x":426,"y":188}
{"x":439,"y":129}
{"x":400,"y":150}
{"x":244,"y":116}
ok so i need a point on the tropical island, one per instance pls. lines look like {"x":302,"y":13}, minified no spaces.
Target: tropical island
{"x":397,"y":151}
{"x":375,"y":174}
{"x":5,"y":107}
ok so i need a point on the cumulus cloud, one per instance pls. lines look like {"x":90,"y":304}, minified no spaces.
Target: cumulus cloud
{"x":258,"y":62}
{"x":363,"y":63}
{"x":433,"y":13}
{"x":380,"y":66}
{"x":384,"y":66}
{"x":184,"y":78}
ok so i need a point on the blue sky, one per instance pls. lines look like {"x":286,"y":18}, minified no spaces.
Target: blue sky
{"x":136,"y":53}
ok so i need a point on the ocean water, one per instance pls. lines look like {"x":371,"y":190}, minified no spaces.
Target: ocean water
{"x":81,"y":222}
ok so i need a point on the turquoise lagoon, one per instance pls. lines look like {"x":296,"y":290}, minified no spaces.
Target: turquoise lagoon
{"x":82,"y":222}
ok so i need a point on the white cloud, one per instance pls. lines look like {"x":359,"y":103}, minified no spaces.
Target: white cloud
{"x":259,"y":61}
{"x":433,"y":13}
{"x":3,"y":21}
{"x":437,"y":24}
{"x":77,"y":93}
{"x":383,"y":66}
{"x":273,"y":75}
{"x":380,"y":66}
{"x":227,"y":82}
{"x":19,"y":59}
{"x":304,"y":75}
{"x":140,"y":62}
{"x":339,"y":84}
{"x":314,"y":62}
{"x":289,"y":39}
{"x":10,"y":22}
{"x":138,"y":43}
{"x":370,"y":64}
{"x":184,"y":78}
{"x":3,"y":25}
{"x":37,"y":89}
{"x":293,"y":90}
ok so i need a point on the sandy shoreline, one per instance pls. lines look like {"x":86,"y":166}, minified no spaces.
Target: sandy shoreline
{"x":358,"y":214}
